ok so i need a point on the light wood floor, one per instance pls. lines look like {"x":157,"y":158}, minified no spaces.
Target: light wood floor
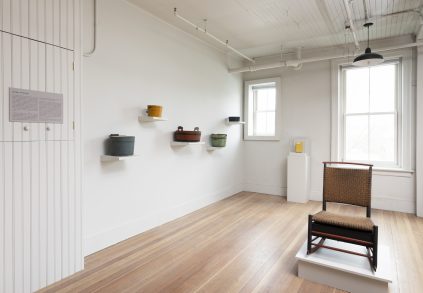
{"x":244,"y":243}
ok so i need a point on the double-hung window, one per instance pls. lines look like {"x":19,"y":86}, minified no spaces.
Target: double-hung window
{"x":261,"y":103}
{"x":371,"y":114}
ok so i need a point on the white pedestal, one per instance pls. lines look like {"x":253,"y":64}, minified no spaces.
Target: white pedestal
{"x":344,"y":271}
{"x":298,"y":177}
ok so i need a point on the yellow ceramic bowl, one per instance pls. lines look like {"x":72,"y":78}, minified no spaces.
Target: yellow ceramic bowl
{"x":154,"y":110}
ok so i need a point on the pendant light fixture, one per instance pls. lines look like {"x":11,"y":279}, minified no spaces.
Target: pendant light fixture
{"x":368,"y":58}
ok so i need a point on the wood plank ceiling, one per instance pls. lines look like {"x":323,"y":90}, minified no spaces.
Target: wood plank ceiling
{"x":262,"y":27}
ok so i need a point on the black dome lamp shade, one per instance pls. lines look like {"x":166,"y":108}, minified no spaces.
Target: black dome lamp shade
{"x":368,"y":58}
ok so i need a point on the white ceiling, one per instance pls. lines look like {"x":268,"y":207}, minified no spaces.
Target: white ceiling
{"x":260,"y":27}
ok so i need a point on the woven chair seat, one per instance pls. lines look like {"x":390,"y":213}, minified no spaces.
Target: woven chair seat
{"x":358,"y":223}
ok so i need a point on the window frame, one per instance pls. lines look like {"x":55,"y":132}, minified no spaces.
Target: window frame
{"x":406,"y":113}
{"x":248,"y":96}
{"x":397,"y":163}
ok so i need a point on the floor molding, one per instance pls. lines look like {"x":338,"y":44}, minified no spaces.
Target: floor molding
{"x":99,"y":241}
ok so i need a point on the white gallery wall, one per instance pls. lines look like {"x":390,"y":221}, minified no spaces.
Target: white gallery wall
{"x":306,"y":112}
{"x":141,"y":60}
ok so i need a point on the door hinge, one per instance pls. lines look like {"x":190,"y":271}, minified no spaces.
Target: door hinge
{"x":73,"y":125}
{"x":73,"y":66}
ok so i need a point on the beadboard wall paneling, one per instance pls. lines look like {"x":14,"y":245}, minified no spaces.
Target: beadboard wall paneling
{"x":40,"y":163}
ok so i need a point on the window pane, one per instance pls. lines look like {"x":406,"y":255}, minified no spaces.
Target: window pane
{"x":382,"y":138}
{"x":382,"y":88}
{"x":265,"y":124}
{"x":356,"y":138}
{"x":266,"y":99}
{"x":357,"y":90}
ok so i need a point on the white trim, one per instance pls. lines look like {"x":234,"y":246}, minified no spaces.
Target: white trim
{"x":406,"y":150}
{"x":265,"y":189}
{"x":419,"y":133}
{"x":247,"y":85}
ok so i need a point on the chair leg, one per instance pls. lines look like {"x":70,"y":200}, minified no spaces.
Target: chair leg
{"x":375,"y":244}
{"x":310,"y":219}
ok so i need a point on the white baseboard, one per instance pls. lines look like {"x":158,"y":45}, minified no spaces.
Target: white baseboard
{"x":267,"y":189}
{"x":316,"y":195}
{"x":104,"y":239}
{"x":394,"y":204}
{"x":380,"y":202}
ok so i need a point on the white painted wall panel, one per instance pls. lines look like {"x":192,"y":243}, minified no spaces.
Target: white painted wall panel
{"x":179,"y":73}
{"x":2,"y":217}
{"x":8,"y":212}
{"x":40,"y":206}
{"x":306,"y":100}
{"x":6,"y":67}
{"x":49,"y":21}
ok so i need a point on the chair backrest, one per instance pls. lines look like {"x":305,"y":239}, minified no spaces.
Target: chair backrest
{"x":347,"y":185}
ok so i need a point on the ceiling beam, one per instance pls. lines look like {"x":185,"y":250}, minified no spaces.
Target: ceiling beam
{"x":351,"y":24}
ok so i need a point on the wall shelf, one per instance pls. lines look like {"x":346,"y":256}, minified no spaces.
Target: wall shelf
{"x":144,"y":118}
{"x":182,"y":143}
{"x":233,"y":122}
{"x":107,"y":158}
{"x":211,"y":148}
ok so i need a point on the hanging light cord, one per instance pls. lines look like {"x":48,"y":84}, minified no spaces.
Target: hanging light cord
{"x":368,"y":37}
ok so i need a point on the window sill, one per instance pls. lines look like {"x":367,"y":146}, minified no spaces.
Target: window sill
{"x":395,"y":172}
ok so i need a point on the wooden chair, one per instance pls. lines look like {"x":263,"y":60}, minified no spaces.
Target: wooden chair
{"x":347,"y":186}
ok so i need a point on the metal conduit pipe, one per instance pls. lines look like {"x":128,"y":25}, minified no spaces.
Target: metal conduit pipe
{"x":88,"y":54}
{"x":296,"y":63}
{"x":212,"y":36}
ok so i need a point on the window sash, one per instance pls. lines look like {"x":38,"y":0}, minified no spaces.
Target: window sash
{"x":397,"y":118}
{"x":255,"y":89}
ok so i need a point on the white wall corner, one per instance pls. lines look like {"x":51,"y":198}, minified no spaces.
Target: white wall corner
{"x":316,"y":195}
{"x":266,"y":189}
{"x":419,"y":133}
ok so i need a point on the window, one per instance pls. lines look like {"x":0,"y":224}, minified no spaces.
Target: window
{"x":261,"y":101}
{"x":371,"y":111}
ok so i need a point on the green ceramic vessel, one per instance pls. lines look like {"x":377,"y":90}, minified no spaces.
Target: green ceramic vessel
{"x":218,"y":140}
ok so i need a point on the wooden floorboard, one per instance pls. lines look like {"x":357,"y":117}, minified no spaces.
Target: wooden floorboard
{"x":245,"y":243}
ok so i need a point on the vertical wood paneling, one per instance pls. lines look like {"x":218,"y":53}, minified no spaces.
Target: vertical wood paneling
{"x":26,"y":214}
{"x":77,"y":137}
{"x":41,"y":20}
{"x":17,"y":203}
{"x":2,"y":114}
{"x":56,"y":22}
{"x":71,"y":94}
{"x":57,"y":211}
{"x":63,"y":5}
{"x":49,"y":80}
{"x":6,"y":13}
{"x":49,"y":21}
{"x":40,"y":200}
{"x":35,"y":219}
{"x":2,"y":217}
{"x":9,"y":248}
{"x":57,"y":82}
{"x":16,"y":81}
{"x":24,"y":72}
{"x":64,"y":207}
{"x":41,"y":81}
{"x":51,"y":249}
{"x":34,"y":84}
{"x":43,"y":236}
